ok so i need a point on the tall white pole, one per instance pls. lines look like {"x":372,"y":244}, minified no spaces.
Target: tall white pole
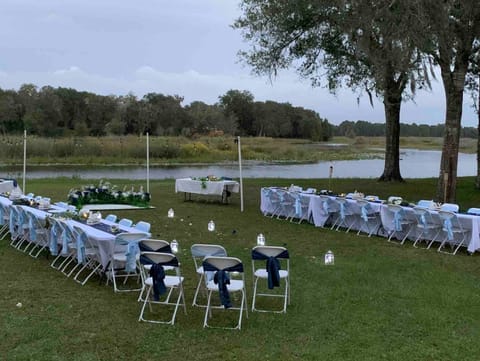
{"x":148,"y":164}
{"x":240,"y":169}
{"x":24,"y":159}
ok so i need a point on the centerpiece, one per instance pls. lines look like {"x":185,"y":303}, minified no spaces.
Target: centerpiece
{"x":105,"y":193}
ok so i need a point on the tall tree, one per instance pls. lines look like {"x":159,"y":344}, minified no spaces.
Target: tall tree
{"x":241,"y":105}
{"x":452,"y":30}
{"x":365,"y":44}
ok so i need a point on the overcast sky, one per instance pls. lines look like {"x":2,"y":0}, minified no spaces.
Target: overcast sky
{"x":183,"y":47}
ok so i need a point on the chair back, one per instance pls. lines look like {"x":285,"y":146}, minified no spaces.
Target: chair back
{"x":450,"y":207}
{"x":271,"y":251}
{"x":154,"y":245}
{"x":143,"y":226}
{"x":125,"y":222}
{"x":111,"y":218}
{"x":474,"y":211}
{"x":162,"y":259}
{"x":230,"y":264}
{"x":425,"y":203}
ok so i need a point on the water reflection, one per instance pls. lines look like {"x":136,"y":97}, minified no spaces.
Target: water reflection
{"x":413,"y":164}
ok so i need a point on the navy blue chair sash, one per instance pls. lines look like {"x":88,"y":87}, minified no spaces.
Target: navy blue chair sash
{"x":222,"y":279}
{"x":272,"y":266}
{"x":157,"y":273}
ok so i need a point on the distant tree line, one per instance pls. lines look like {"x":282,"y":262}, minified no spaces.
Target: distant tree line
{"x":52,"y":112}
{"x":365,"y":129}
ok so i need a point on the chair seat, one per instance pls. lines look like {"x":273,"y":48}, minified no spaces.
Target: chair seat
{"x":262,"y":273}
{"x":235,"y":285}
{"x":170,"y":281}
{"x":147,"y":267}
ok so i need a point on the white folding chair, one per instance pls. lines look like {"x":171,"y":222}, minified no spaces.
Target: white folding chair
{"x":287,"y":204}
{"x":38,"y":235}
{"x":301,"y":206}
{"x":425,"y":203}
{"x":474,"y":211}
{"x":275,"y":270}
{"x":455,"y":234}
{"x":142,"y":226}
{"x":450,"y":207}
{"x":151,"y":245}
{"x":330,"y":209}
{"x":370,"y":218}
{"x":425,"y":226}
{"x":125,"y":222}
{"x":111,"y":218}
{"x":4,"y":218}
{"x":123,"y":263}
{"x":87,"y":256}
{"x":401,"y":224}
{"x":199,"y":252}
{"x":228,"y":278}
{"x":160,"y":287}
{"x":344,"y":212}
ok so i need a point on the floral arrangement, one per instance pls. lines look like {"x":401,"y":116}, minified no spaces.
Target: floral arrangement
{"x":209,"y":178}
{"x":105,"y":193}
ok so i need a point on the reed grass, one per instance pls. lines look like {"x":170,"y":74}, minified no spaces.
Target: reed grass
{"x":174,"y":150}
{"x":380,"y":301}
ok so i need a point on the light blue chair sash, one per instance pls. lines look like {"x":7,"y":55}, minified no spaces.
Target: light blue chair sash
{"x":423,"y":220}
{"x":364,"y":211}
{"x":65,"y":240}
{"x":342,"y":211}
{"x":53,"y":239}
{"x":326,"y":208}
{"x":447,"y":223}
{"x":2,"y":214}
{"x":32,"y":228}
{"x":298,"y":206}
{"x":397,"y":221}
{"x":132,"y":251}
{"x":81,"y":247}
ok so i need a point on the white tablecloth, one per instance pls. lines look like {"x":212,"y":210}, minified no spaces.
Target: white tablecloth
{"x":189,"y":185}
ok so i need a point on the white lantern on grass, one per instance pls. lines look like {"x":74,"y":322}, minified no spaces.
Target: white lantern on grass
{"x":171,"y":213}
{"x":329,"y":258}
{"x":174,"y":246}
{"x":260,"y":240}
{"x":211,"y":226}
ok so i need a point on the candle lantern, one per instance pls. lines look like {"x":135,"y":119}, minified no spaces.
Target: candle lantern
{"x":171,"y":213}
{"x":174,"y":246}
{"x":211,"y":226}
{"x":329,"y":258}
{"x":260,"y":240}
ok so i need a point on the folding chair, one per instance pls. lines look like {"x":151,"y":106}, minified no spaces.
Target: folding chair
{"x":370,"y":218}
{"x":123,"y":262}
{"x":330,"y":209}
{"x":301,"y":206}
{"x":88,"y":257}
{"x":56,"y":241}
{"x":274,"y":207}
{"x":455,"y":234}
{"x":344,"y":211}
{"x":276,"y":268}
{"x":425,"y":226}
{"x":111,"y":218}
{"x":21,"y":227}
{"x":474,"y":211}
{"x":151,"y":245}
{"x":125,"y":222}
{"x":69,"y":250}
{"x":225,"y":281}
{"x":450,"y":207}
{"x":401,"y":224}
{"x":287,"y":205}
{"x":199,"y":252}
{"x":142,"y":226}
{"x":38,"y":235}
{"x":4,"y":218}
{"x":160,"y":286}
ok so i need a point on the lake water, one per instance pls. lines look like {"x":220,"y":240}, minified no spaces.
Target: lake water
{"x":413,"y":164}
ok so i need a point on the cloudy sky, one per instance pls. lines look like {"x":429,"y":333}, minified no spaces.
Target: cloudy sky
{"x":183,"y":47}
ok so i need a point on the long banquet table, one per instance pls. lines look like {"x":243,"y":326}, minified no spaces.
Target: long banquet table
{"x":271,"y":199}
{"x":100,"y":238}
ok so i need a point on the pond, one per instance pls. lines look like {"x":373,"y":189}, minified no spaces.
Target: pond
{"x":413,"y":164}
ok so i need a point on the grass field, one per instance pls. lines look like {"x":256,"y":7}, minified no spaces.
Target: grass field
{"x":380,"y":301}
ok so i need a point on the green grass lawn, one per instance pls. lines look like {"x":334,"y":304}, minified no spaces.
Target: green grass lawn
{"x":380,"y":301}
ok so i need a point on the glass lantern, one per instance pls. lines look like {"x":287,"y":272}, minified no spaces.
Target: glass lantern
{"x":260,"y":240}
{"x":174,"y":246}
{"x":329,"y":258}
{"x":171,"y":213}
{"x":211,"y":226}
